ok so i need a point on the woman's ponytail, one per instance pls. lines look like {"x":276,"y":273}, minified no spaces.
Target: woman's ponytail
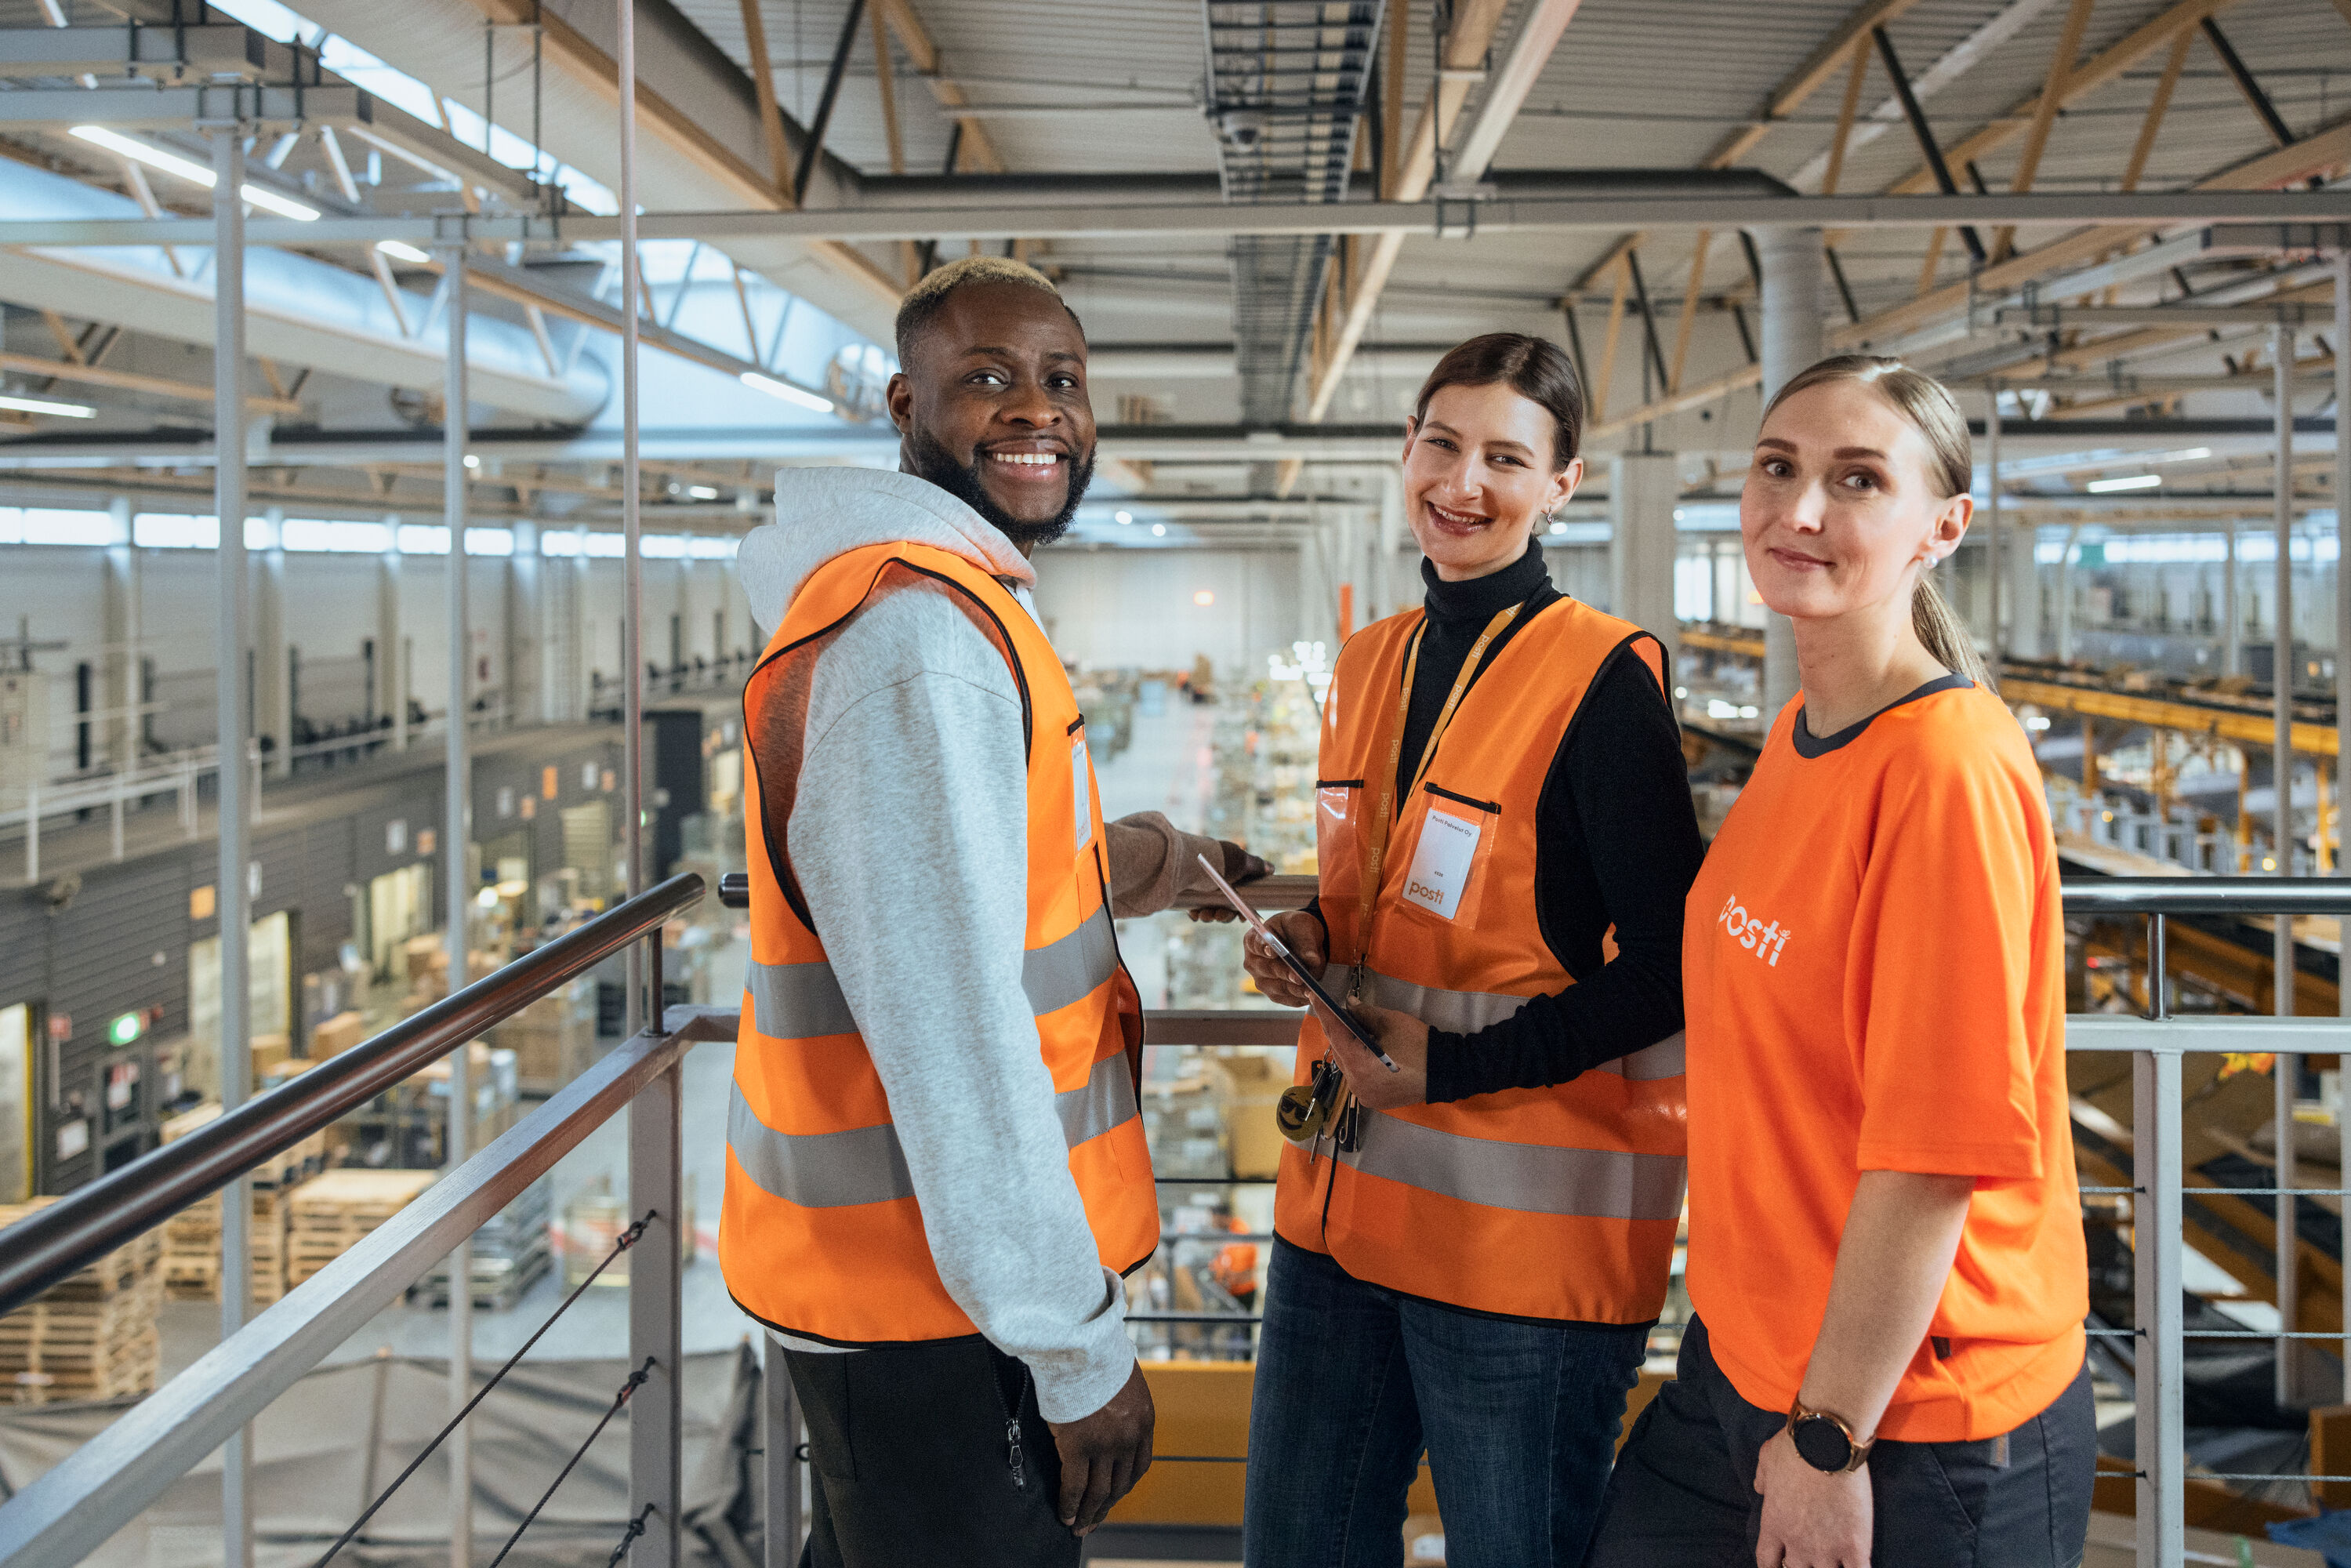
{"x":1946,"y":636}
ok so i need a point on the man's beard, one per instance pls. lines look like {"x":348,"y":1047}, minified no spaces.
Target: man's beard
{"x":932,"y":461}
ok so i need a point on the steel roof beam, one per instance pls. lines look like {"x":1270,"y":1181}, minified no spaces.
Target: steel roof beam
{"x":2295,"y":220}
{"x":167,"y":54}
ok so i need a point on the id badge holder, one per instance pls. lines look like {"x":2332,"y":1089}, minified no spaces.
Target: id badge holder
{"x":1339,"y":808}
{"x":1452,"y":856}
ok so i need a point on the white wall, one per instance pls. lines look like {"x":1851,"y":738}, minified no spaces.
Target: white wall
{"x":1112,"y":608}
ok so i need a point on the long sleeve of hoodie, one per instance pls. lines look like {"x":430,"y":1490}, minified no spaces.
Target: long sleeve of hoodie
{"x":909,"y":837}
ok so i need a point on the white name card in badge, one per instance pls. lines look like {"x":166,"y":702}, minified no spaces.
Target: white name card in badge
{"x":1441,"y":864}
{"x":1082,"y":798}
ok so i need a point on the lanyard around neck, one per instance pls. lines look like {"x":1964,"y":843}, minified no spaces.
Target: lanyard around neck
{"x":1375,"y":835}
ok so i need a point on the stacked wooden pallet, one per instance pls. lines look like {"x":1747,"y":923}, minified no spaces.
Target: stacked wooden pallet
{"x":327,"y":1215}
{"x":93,"y":1337}
{"x":191,"y":1236}
{"x":192,"y":1248}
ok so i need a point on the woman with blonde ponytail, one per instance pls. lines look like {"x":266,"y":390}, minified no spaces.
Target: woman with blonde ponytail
{"x":1885,"y":1363}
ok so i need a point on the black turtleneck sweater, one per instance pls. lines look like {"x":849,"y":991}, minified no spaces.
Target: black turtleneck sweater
{"x":1616,"y":843}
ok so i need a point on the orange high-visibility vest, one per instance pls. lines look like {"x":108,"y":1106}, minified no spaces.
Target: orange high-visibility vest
{"x":1557,"y":1202}
{"x":820,"y":1235}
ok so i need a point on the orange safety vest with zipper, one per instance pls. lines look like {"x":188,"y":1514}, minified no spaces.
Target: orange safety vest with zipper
{"x":1555,"y":1203}
{"x":821,"y":1235}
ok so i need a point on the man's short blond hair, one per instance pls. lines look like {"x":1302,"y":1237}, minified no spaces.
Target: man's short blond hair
{"x":929,"y":297}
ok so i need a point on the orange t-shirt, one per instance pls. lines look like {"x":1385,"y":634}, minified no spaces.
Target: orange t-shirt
{"x":1874,"y":967}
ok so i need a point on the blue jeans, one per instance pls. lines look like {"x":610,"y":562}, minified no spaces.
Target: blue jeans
{"x":1519,"y":1420}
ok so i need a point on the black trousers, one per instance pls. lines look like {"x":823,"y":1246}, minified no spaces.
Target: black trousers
{"x":912,"y":1451}
{"x":1683,"y":1493}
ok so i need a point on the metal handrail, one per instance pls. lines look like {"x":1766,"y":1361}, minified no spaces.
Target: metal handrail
{"x":52,"y":1244}
{"x":2206,"y":895}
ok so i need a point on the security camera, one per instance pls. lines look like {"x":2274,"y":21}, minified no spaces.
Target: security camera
{"x":1241,"y":127}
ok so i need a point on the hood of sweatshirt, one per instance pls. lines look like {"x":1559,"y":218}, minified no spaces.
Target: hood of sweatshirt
{"x":821,"y":513}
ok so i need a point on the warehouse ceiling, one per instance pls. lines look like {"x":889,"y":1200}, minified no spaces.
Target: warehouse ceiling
{"x":1245,"y":383}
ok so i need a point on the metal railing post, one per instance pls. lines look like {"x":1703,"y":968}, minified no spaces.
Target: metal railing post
{"x":457,"y":830}
{"x":2156,"y":1220}
{"x":235,"y":795}
{"x":655,"y":1477}
{"x":780,"y":1447}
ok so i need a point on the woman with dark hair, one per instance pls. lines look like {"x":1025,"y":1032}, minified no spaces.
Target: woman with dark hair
{"x":1884,"y":1365}
{"x":1471,"y":1246}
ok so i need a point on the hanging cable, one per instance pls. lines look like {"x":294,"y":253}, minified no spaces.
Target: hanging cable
{"x":629,"y":1536}
{"x":636,"y":1381}
{"x":627,"y":1239}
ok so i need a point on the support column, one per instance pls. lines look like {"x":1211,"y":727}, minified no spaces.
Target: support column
{"x":579,"y":694}
{"x":655,"y":1485}
{"x":233,"y":903}
{"x":2343,"y":664}
{"x":390,"y":696}
{"x":1389,"y":580}
{"x":1792,"y":261}
{"x":525,"y":634}
{"x":1995,"y":541}
{"x":2066,"y":593}
{"x":2232,"y":613}
{"x":456,"y":832}
{"x":273,"y":691}
{"x":2282,"y":984}
{"x":2022,"y":560}
{"x":118,"y":683}
{"x":1643,"y":488}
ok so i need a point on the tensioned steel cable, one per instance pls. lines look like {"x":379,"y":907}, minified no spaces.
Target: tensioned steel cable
{"x":629,"y":1536}
{"x":627,"y":1239}
{"x":636,"y":1526}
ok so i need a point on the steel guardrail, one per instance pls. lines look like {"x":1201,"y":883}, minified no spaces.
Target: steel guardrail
{"x":52,"y":1244}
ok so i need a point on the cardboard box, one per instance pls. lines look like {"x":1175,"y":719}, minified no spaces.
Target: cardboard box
{"x":1247,"y":1090}
{"x":268,"y":1051}
{"x":334,"y":1036}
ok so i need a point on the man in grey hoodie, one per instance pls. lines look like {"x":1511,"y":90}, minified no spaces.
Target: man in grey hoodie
{"x":909,"y":846}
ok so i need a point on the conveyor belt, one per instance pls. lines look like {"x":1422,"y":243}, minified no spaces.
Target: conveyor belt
{"x":2246,"y":718}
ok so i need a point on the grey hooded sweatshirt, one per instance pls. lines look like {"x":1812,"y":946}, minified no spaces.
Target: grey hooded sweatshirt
{"x":909,"y":839}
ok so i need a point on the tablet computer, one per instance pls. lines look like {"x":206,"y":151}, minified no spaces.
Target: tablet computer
{"x":1282,"y":952}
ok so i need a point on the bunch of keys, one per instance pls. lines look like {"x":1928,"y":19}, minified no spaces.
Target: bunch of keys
{"x":1304,"y":1110}
{"x":1307,"y":1112}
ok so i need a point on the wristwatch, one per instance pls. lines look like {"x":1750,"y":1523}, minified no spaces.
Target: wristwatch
{"x":1825,"y":1442}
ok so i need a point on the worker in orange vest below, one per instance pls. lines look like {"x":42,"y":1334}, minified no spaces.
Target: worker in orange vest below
{"x":1468,"y":1259}
{"x":935,"y":1169}
{"x":1885,"y":1367}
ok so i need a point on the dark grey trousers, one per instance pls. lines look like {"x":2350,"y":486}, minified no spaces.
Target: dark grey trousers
{"x":1683,"y":1493}
{"x":913,"y":1463}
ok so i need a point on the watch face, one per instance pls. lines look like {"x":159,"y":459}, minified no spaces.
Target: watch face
{"x":1820,"y":1443}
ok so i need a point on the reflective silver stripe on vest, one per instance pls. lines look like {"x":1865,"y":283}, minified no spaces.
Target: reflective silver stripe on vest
{"x":803,"y":1002}
{"x":797,"y":1001}
{"x":1530,"y":1179}
{"x":818,"y":1170}
{"x":1068,"y":970}
{"x":1467,"y":1012}
{"x":866,"y":1164}
{"x":1104,"y":1101}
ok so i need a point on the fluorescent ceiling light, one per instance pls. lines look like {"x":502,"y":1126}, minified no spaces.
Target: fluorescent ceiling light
{"x":702,"y":492}
{"x":1123,"y":516}
{"x":41,"y":405}
{"x":472,"y":461}
{"x":400,"y":250}
{"x":271,"y":201}
{"x":144,"y":153}
{"x":187,"y":168}
{"x":786,"y":390}
{"x":2129,"y":482}
{"x":1159,"y":530}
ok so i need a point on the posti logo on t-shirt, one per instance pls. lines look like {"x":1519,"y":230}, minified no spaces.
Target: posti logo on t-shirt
{"x":1764,"y":940}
